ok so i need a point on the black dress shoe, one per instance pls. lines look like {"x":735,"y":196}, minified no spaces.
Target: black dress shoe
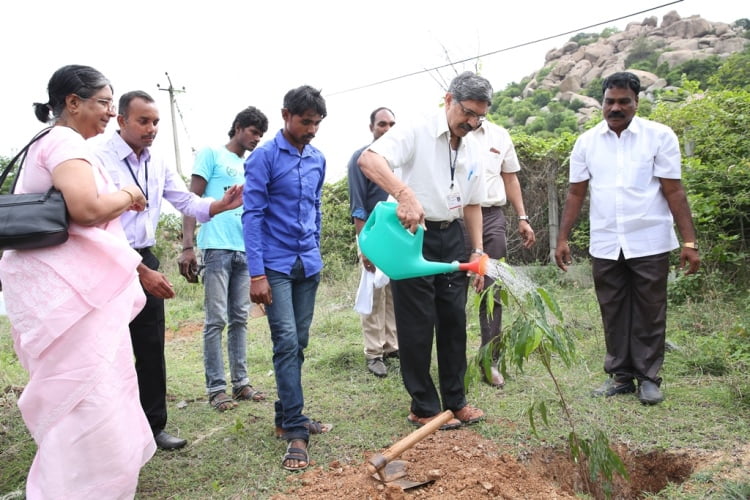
{"x":649,"y":393}
{"x":614,"y":386}
{"x":168,"y":442}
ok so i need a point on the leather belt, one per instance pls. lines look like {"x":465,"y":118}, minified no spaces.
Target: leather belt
{"x":438,"y":224}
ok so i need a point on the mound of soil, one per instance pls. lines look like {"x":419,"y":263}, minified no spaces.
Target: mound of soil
{"x":462,"y":464}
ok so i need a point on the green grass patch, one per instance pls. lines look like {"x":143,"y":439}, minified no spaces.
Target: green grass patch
{"x":236,"y":455}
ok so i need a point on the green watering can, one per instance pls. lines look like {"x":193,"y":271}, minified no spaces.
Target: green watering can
{"x":398,"y":253}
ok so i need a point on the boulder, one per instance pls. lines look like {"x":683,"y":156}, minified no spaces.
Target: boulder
{"x":692,"y":27}
{"x":680,"y":56}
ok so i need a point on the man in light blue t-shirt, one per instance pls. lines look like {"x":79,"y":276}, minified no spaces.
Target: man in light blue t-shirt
{"x":225,"y":280}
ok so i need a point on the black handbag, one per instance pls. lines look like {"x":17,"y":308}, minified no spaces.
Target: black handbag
{"x":35,"y":220}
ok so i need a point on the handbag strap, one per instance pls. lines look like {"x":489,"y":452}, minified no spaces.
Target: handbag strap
{"x":22,"y":155}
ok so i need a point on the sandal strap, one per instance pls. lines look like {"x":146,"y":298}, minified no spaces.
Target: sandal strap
{"x":296,"y":454}
{"x":247,"y":393}
{"x":219,"y":399}
{"x":317,"y":427}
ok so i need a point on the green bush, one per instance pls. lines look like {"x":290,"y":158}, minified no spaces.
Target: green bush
{"x":642,"y":51}
{"x":337,"y":240}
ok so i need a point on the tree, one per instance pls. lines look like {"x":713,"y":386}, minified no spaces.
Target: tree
{"x":712,"y":129}
{"x":734,"y":73}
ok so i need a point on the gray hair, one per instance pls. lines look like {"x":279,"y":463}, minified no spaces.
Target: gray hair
{"x":469,"y":86}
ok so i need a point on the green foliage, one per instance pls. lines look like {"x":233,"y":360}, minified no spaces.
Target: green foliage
{"x":541,"y":97}
{"x":734,"y":73}
{"x":608,"y":32}
{"x":337,"y":240}
{"x":721,"y":353}
{"x":602,"y":461}
{"x":544,"y":72}
{"x":9,"y":180}
{"x":539,"y":329}
{"x":584,"y":38}
{"x":643,"y":52}
{"x":594,"y":89}
{"x":168,"y":236}
{"x":716,"y":174}
{"x":696,"y":69}
{"x":575,"y":104}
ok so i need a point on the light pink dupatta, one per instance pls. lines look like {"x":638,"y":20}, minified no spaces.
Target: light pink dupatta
{"x":69,"y":307}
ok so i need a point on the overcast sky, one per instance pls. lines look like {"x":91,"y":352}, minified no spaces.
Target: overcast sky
{"x":229,"y":54}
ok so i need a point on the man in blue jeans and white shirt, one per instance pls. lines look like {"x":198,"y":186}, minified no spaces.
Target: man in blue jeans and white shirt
{"x":227,"y":289}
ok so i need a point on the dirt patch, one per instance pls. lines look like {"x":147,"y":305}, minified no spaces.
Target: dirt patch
{"x":463,"y":464}
{"x":186,"y":330}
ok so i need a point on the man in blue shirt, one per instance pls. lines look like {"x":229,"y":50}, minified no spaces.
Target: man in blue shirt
{"x":281,"y":224}
{"x":225,"y":282}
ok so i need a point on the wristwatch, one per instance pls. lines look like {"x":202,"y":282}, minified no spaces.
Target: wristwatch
{"x":690,"y":244}
{"x":477,"y":251}
{"x":524,"y":217}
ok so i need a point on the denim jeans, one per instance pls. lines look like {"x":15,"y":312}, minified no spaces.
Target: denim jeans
{"x":226,"y":285}
{"x":289,"y":318}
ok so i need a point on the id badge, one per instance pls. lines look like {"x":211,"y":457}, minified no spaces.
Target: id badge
{"x":149,"y":227}
{"x":454,"y":200}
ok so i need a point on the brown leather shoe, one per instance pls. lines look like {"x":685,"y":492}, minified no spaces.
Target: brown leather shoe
{"x":496,"y":378}
{"x":420,"y":421}
{"x":469,"y":415}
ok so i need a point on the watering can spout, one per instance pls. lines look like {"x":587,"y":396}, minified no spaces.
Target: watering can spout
{"x":397,"y":252}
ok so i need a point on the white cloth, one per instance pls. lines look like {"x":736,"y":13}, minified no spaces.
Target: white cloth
{"x":628,"y":209}
{"x":423,"y":153}
{"x":499,"y":155}
{"x":367,"y":283}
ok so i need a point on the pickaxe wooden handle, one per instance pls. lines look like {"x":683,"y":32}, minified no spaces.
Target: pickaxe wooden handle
{"x":380,"y":460}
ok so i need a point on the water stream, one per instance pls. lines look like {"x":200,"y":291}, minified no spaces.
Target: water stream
{"x":515,"y":280}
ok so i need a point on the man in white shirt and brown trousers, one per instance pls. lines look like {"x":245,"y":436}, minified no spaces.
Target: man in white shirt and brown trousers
{"x":501,"y":165}
{"x":633,"y":168}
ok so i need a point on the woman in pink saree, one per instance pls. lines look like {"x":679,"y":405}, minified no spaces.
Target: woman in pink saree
{"x":70,"y":305}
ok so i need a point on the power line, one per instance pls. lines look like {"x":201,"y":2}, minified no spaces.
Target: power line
{"x":513,"y":47}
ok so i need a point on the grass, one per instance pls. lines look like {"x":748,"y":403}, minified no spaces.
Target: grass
{"x":235,"y":455}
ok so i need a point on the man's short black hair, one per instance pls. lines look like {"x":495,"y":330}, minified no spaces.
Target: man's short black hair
{"x":622,"y":80}
{"x":249,"y":117}
{"x":303,"y":98}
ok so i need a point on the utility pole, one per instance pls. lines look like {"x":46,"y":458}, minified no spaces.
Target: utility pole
{"x":172,"y":91}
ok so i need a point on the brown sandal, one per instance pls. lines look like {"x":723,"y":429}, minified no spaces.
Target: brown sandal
{"x":313,"y":427}
{"x":248,"y":393}
{"x":221,"y":401}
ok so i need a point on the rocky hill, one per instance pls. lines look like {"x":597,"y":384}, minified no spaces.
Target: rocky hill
{"x":570,"y":68}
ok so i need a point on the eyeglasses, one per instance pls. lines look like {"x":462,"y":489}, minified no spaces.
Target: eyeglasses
{"x":108,"y":103}
{"x":472,"y":114}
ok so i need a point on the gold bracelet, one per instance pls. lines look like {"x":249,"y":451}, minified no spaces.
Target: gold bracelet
{"x":132,"y":198}
{"x":258,"y":278}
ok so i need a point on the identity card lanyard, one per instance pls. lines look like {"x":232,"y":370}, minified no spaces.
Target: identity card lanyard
{"x":149,"y":227}
{"x":454,"y":197}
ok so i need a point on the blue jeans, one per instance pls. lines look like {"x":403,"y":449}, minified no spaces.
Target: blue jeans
{"x":289,"y":318}
{"x":227,"y":301}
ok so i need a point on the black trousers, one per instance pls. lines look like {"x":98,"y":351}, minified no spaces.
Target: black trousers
{"x":632,"y":295}
{"x":147,"y":336}
{"x":434,"y":306}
